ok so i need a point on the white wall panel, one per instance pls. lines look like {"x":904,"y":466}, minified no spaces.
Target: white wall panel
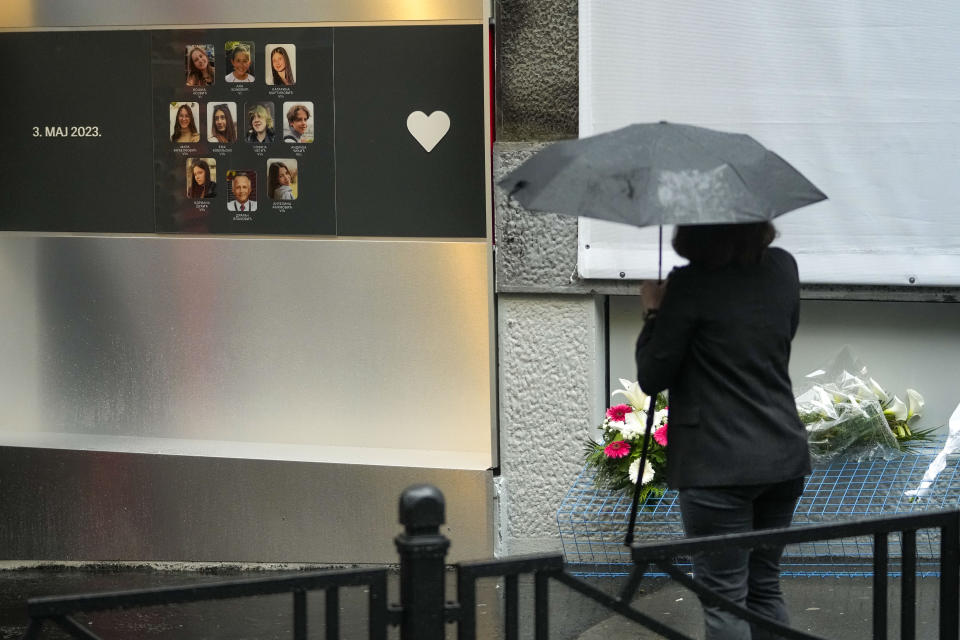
{"x":863,"y":98}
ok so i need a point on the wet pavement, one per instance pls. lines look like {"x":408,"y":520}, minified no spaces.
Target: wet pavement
{"x":255,"y":617}
{"x":830,"y":607}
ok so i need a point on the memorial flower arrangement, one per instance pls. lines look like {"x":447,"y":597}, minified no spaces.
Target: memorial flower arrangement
{"x":615,"y":459}
{"x":847,"y":412}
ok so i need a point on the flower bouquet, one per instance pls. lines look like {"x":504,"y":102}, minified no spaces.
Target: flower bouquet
{"x":616,"y":458}
{"x":846,"y":412}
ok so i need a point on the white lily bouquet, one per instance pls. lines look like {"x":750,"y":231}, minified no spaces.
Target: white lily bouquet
{"x":848,"y":413}
{"x":615,"y":459}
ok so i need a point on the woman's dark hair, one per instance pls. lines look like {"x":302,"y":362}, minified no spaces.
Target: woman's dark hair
{"x":198,"y":190}
{"x":719,"y":245}
{"x":192,"y":127}
{"x":288,"y":70}
{"x":231,"y":126}
{"x":273,"y":177}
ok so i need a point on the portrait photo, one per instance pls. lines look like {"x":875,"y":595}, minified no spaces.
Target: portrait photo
{"x":241,"y":190}
{"x":222,"y":122}
{"x":200,"y":65}
{"x":201,"y":178}
{"x":282,"y":179}
{"x":298,"y":122}
{"x":239,"y":56}
{"x":259,"y":122}
{"x":184,"y":122}
{"x":280,"y":64}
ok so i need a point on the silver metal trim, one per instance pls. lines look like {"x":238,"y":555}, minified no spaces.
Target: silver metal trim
{"x":23,"y":14}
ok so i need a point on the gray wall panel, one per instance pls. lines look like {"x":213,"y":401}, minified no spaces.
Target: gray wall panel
{"x":81,"y":505}
{"x":354,"y":351}
{"x":903,"y":344}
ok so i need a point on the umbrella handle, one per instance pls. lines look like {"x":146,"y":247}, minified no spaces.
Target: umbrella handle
{"x":643,"y":463}
{"x":660,"y":258}
{"x":628,"y":540}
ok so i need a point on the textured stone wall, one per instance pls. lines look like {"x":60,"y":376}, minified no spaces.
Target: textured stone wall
{"x":537,"y":89}
{"x":551,"y":391}
{"x":550,"y":336}
{"x":534,"y":252}
{"x":537,"y":253}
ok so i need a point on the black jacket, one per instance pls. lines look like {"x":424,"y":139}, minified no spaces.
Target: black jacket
{"x":721,"y":345}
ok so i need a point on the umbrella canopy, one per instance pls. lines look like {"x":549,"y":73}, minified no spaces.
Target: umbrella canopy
{"x":661,"y":173}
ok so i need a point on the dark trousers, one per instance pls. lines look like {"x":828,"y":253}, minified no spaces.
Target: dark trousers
{"x":750,"y":578}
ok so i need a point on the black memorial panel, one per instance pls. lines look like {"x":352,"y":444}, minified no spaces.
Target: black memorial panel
{"x":368,"y":131}
{"x":78,"y":156}
{"x":388,"y":184}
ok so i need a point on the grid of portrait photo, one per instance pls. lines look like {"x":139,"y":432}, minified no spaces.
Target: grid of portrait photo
{"x":212,"y":133}
{"x":283,"y":181}
{"x":255,"y":122}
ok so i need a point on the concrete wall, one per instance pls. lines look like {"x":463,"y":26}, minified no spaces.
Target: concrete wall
{"x":552,"y":364}
{"x":549,"y":326}
{"x":551,"y":379}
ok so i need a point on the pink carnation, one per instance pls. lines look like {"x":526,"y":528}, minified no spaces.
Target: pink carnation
{"x":660,"y":435}
{"x":619,"y":411}
{"x":617,"y":449}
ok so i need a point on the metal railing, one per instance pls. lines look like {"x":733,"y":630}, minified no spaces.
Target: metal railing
{"x":424,"y":612}
{"x":948,"y":522}
{"x":61,"y":609}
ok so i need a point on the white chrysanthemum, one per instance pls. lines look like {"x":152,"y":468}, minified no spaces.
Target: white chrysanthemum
{"x":659,"y":417}
{"x":613,"y":425}
{"x":648,"y":472}
{"x":634,"y":424}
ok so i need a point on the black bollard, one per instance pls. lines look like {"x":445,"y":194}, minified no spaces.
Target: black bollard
{"x":423,"y":551}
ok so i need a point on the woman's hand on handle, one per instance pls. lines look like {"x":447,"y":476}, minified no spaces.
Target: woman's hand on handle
{"x":651,"y":294}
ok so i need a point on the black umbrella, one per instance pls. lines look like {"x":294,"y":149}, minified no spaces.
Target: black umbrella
{"x":661,"y":173}
{"x":656,"y":174}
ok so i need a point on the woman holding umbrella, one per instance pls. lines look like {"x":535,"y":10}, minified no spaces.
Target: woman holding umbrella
{"x":717,"y":334}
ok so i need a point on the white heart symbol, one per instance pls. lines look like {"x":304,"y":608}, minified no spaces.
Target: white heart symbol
{"x":428,"y":130}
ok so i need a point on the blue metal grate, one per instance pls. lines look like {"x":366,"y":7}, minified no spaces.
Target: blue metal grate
{"x":592,"y":521}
